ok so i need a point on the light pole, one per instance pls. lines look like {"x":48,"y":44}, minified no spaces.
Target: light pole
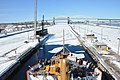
{"x":79,"y":29}
{"x":53,"y":20}
{"x":101,"y":33}
{"x":35,"y":18}
{"x":118,"y":45}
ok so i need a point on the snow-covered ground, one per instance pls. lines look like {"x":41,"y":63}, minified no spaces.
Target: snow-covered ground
{"x":106,"y":34}
{"x":12,"y":42}
{"x":5,"y":65}
{"x":57,"y":31}
{"x":12,"y":47}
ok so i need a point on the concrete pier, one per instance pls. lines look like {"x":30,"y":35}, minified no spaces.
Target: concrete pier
{"x":18,"y":55}
{"x":105,"y":65}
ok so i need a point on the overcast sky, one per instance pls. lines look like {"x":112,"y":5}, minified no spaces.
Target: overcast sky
{"x":23,"y":10}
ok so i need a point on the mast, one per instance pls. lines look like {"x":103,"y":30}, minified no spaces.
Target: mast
{"x":63,"y":42}
{"x":35,"y":18}
{"x":43,"y":23}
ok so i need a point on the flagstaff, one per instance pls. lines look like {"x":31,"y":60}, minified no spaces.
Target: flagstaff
{"x":35,"y":18}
